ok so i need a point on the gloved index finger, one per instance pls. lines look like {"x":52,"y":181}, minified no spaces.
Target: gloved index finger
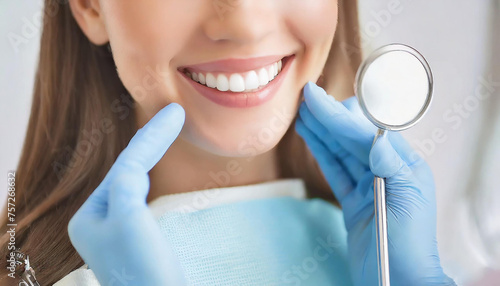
{"x":350,"y":131}
{"x":151,"y":142}
{"x":144,"y":150}
{"x":407,"y":153}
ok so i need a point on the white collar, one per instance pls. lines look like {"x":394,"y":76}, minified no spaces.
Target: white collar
{"x":204,"y":199}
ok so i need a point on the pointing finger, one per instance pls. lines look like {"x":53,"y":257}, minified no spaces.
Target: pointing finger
{"x":151,"y":142}
{"x":351,"y":132}
{"x":144,"y":150}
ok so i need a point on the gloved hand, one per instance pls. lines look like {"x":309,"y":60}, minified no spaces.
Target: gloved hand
{"x":114,"y":231}
{"x":340,"y":139}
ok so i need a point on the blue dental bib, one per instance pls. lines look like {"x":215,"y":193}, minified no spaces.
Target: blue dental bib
{"x":271,"y":241}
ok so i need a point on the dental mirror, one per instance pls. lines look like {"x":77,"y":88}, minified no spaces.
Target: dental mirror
{"x":394,"y":89}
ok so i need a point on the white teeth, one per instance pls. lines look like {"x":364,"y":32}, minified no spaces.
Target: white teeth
{"x":222,"y":83}
{"x":236,"y":83}
{"x":201,"y":78}
{"x":263,"y":77}
{"x":211,"y":81}
{"x":270,"y":72}
{"x":251,"y":81}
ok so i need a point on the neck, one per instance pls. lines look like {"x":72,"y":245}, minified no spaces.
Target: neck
{"x":187,"y":168}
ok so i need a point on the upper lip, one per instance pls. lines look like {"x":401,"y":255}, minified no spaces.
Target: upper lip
{"x":234,"y":65}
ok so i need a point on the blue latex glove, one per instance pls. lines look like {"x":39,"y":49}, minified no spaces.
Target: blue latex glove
{"x":114,"y":231}
{"x":340,"y":139}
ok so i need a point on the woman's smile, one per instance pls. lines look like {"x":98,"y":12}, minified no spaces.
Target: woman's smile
{"x":232,"y":75}
{"x":238,"y":82}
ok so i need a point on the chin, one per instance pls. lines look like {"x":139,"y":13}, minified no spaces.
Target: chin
{"x":238,"y":142}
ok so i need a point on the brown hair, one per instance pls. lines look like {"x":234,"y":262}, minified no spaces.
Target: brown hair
{"x":67,"y":150}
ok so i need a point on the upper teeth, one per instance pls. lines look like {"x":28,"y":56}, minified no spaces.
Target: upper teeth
{"x":238,"y":82}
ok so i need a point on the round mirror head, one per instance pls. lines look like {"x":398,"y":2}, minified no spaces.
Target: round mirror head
{"x":394,"y":87}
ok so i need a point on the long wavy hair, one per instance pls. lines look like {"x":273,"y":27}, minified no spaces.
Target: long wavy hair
{"x":76,"y":83}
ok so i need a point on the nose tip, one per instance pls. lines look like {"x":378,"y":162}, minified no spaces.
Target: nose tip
{"x":240,"y":21}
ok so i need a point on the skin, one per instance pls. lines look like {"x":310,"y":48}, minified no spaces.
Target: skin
{"x":161,"y":36}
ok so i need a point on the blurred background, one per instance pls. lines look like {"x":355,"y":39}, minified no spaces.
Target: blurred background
{"x":459,"y":136}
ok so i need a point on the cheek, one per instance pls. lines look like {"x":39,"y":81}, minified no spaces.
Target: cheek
{"x":149,"y":28}
{"x":312,"y":21}
{"x":144,"y":36}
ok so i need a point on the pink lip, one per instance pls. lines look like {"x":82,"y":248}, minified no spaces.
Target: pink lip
{"x":243,"y":99}
{"x":234,"y":65}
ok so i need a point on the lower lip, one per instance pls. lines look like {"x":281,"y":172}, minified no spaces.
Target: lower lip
{"x":243,"y":99}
